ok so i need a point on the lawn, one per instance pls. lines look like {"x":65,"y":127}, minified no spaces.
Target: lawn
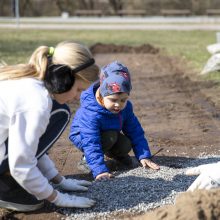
{"x":17,"y":45}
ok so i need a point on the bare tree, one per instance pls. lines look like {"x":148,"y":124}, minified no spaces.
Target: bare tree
{"x":65,"y":5}
{"x":86,"y":4}
{"x":27,"y":8}
{"x":199,"y":6}
{"x":56,"y":7}
{"x":6,"y":8}
{"x":116,"y":4}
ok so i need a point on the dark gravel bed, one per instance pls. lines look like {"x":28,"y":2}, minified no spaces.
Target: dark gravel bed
{"x":138,"y":190}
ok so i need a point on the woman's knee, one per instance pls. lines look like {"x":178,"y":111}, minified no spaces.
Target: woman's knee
{"x":60,"y":108}
{"x":60,"y":116}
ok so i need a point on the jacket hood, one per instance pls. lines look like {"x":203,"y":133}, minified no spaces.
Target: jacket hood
{"x":88,"y":100}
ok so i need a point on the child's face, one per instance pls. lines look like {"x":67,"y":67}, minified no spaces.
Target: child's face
{"x":116,"y":102}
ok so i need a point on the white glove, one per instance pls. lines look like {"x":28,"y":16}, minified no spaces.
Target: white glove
{"x":200,"y":169}
{"x":203,"y":181}
{"x":73,"y":185}
{"x":209,"y":176}
{"x":69,"y":201}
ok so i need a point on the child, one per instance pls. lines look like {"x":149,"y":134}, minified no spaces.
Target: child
{"x":105,"y":123}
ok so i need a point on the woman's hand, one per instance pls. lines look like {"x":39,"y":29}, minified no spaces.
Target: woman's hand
{"x":73,"y":184}
{"x":149,"y":163}
{"x":70,"y":201}
{"x":104,"y":176}
{"x":209,"y":176}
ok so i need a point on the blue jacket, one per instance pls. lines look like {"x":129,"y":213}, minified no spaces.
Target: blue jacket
{"x":91,"y":119}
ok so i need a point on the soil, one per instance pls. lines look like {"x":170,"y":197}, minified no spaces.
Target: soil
{"x":113,"y":48}
{"x":179,"y":112}
{"x":200,"y":205}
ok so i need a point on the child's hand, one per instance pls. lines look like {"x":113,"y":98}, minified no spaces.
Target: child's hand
{"x":104,"y":176}
{"x":149,"y":163}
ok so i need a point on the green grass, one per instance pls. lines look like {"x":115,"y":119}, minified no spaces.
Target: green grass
{"x":214,"y":76}
{"x":17,"y":45}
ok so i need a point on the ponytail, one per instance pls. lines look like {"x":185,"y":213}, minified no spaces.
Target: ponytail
{"x":35,"y":68}
{"x":54,"y":66}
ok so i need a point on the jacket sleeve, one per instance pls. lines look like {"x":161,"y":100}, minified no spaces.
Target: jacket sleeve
{"x":24,"y":132}
{"x":133,"y":129}
{"x":215,"y":172}
{"x":91,"y":142}
{"x":47,"y":167}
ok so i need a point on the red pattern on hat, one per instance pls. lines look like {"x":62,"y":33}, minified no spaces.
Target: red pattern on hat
{"x":114,"y":87}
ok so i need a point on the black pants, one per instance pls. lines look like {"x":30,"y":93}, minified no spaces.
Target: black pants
{"x":59,"y":118}
{"x":115,"y":143}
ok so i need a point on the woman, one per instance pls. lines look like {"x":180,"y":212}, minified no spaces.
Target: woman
{"x":33,"y":115}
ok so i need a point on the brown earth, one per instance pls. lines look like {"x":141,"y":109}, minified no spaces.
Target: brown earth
{"x":178,"y":111}
{"x":100,"y":48}
{"x":199,"y":205}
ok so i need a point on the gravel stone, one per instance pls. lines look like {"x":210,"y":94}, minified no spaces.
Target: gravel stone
{"x":138,"y":190}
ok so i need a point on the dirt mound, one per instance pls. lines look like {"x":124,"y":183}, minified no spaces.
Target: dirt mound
{"x":199,"y":205}
{"x":112,"y":48}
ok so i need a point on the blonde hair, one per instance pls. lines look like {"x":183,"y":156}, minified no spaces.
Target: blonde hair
{"x":68,"y":53}
{"x":74,"y":54}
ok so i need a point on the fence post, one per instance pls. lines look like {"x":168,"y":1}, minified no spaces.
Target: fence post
{"x":17,"y":13}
